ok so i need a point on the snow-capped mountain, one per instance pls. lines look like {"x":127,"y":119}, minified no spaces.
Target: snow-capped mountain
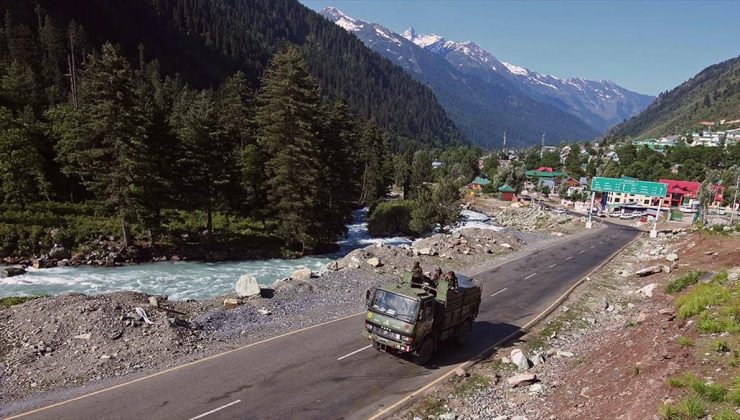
{"x":483,"y":95}
{"x":600,"y":103}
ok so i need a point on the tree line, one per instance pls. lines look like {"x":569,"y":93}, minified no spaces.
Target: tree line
{"x":79,"y":124}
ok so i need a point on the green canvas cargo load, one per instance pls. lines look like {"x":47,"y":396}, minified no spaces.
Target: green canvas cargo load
{"x":414,"y":320}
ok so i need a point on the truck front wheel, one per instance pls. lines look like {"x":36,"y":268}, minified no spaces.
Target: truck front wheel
{"x":423,"y":353}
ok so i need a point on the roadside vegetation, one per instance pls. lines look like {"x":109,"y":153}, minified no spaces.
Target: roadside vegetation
{"x":7,"y":302}
{"x":715,"y":307}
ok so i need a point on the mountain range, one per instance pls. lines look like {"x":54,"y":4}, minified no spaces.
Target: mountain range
{"x":713,"y":94}
{"x":485,"y":96}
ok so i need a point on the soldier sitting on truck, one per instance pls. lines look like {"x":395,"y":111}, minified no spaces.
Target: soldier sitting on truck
{"x":417,"y":275}
{"x":436,"y":275}
{"x":451,"y":280}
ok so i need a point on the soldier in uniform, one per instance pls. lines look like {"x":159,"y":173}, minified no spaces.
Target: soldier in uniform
{"x":417,"y":275}
{"x":434,"y":280}
{"x":451,"y":280}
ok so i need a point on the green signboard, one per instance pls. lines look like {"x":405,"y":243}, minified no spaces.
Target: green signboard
{"x":629,"y":186}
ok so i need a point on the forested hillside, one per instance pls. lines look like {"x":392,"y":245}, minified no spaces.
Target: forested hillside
{"x":206,"y":41}
{"x":713,"y":94}
{"x":98,"y":150}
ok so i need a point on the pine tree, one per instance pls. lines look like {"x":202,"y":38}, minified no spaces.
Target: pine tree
{"x":204,"y":159}
{"x":104,"y":142}
{"x":22,"y":178}
{"x":376,"y":174}
{"x":338,"y":137}
{"x":286,"y":116}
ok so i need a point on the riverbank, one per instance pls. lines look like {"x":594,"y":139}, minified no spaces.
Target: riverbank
{"x":52,"y":346}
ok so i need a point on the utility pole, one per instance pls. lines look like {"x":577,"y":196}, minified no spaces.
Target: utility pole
{"x":542,"y":145}
{"x":503,"y":148}
{"x":734,"y":201}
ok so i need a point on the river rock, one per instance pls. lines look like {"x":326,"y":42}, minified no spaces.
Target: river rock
{"x":85,"y":336}
{"x":332,"y":266}
{"x":14,"y":271}
{"x":671,"y":257}
{"x":733,"y":275}
{"x":505,"y":245}
{"x":303,"y":274}
{"x":231,"y":303}
{"x":538,"y":359}
{"x":522,"y":379}
{"x":153,"y":302}
{"x":247,"y":286}
{"x":59,"y":253}
{"x":374,"y":262}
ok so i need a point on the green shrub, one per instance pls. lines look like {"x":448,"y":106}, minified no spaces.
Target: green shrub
{"x":7,"y":302}
{"x":721,"y":346}
{"x":683,"y":282}
{"x":390,"y":218}
{"x":726,"y":414}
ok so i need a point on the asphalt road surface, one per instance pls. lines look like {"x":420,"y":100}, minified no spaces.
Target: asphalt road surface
{"x":330,"y":371}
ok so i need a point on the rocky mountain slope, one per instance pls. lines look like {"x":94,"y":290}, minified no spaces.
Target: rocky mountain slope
{"x":713,"y":94}
{"x":486,"y":96}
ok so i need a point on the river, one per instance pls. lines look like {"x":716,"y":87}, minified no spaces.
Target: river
{"x":189,"y":279}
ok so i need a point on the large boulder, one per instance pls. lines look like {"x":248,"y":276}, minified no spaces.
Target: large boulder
{"x":14,"y":271}
{"x":671,"y":257}
{"x":247,"y":286}
{"x":653,"y":269}
{"x":303,"y":274}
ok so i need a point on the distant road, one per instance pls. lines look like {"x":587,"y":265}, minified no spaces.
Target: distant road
{"x":330,"y":371}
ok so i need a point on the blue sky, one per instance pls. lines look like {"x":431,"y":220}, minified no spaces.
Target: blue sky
{"x":646,"y":46}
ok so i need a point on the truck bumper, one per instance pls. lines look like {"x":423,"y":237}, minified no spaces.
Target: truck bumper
{"x":389,"y":344}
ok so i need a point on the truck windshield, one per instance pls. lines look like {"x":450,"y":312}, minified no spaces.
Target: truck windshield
{"x":395,"y":305}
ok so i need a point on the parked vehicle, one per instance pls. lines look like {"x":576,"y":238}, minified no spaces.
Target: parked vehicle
{"x":414,"y":319}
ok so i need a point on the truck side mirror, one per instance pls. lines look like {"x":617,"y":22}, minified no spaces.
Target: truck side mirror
{"x":367,"y":294}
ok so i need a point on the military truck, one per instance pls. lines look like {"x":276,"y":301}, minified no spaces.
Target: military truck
{"x":413,"y":319}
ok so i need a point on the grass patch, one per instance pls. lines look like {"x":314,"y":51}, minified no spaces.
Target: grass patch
{"x":684,"y":281}
{"x":7,"y":302}
{"x":429,"y":406}
{"x":688,"y":408}
{"x":721,"y":346}
{"x":700,"y":297}
{"x":709,"y":392}
{"x":684,"y":341}
{"x":726,"y":414}
{"x":471,"y":383}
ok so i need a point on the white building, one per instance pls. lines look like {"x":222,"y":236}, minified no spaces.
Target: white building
{"x":622,"y":198}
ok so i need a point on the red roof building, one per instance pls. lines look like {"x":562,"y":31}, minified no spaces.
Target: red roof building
{"x":680,"y":191}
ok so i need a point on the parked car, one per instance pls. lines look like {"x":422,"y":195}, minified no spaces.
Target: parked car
{"x":625,"y":216}
{"x":560,"y":210}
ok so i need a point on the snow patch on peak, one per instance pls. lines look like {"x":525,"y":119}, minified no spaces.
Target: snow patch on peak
{"x":422,"y":40}
{"x":335,"y":15}
{"x":514,"y":69}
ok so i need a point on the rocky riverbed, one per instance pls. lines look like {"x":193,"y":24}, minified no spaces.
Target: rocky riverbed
{"x":55,"y":343}
{"x":528,"y":218}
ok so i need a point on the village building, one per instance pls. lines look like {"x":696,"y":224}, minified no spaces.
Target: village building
{"x":506,"y":193}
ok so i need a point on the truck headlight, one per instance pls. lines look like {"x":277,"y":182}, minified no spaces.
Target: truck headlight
{"x":369,"y":327}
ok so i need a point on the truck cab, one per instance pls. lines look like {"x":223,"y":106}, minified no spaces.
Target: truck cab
{"x":410,"y":319}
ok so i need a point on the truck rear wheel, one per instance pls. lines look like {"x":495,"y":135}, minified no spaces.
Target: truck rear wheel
{"x":463,"y":333}
{"x":423,"y":353}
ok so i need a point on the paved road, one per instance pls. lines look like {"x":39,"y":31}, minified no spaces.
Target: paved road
{"x":329,"y":371}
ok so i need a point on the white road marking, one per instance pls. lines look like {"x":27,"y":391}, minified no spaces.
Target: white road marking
{"x":582,"y":251}
{"x":552,"y":265}
{"x":216,"y":409}
{"x":593,"y":246}
{"x":568,"y":258}
{"x":355,"y":352}
{"x":500,"y":291}
{"x":529,"y":276}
